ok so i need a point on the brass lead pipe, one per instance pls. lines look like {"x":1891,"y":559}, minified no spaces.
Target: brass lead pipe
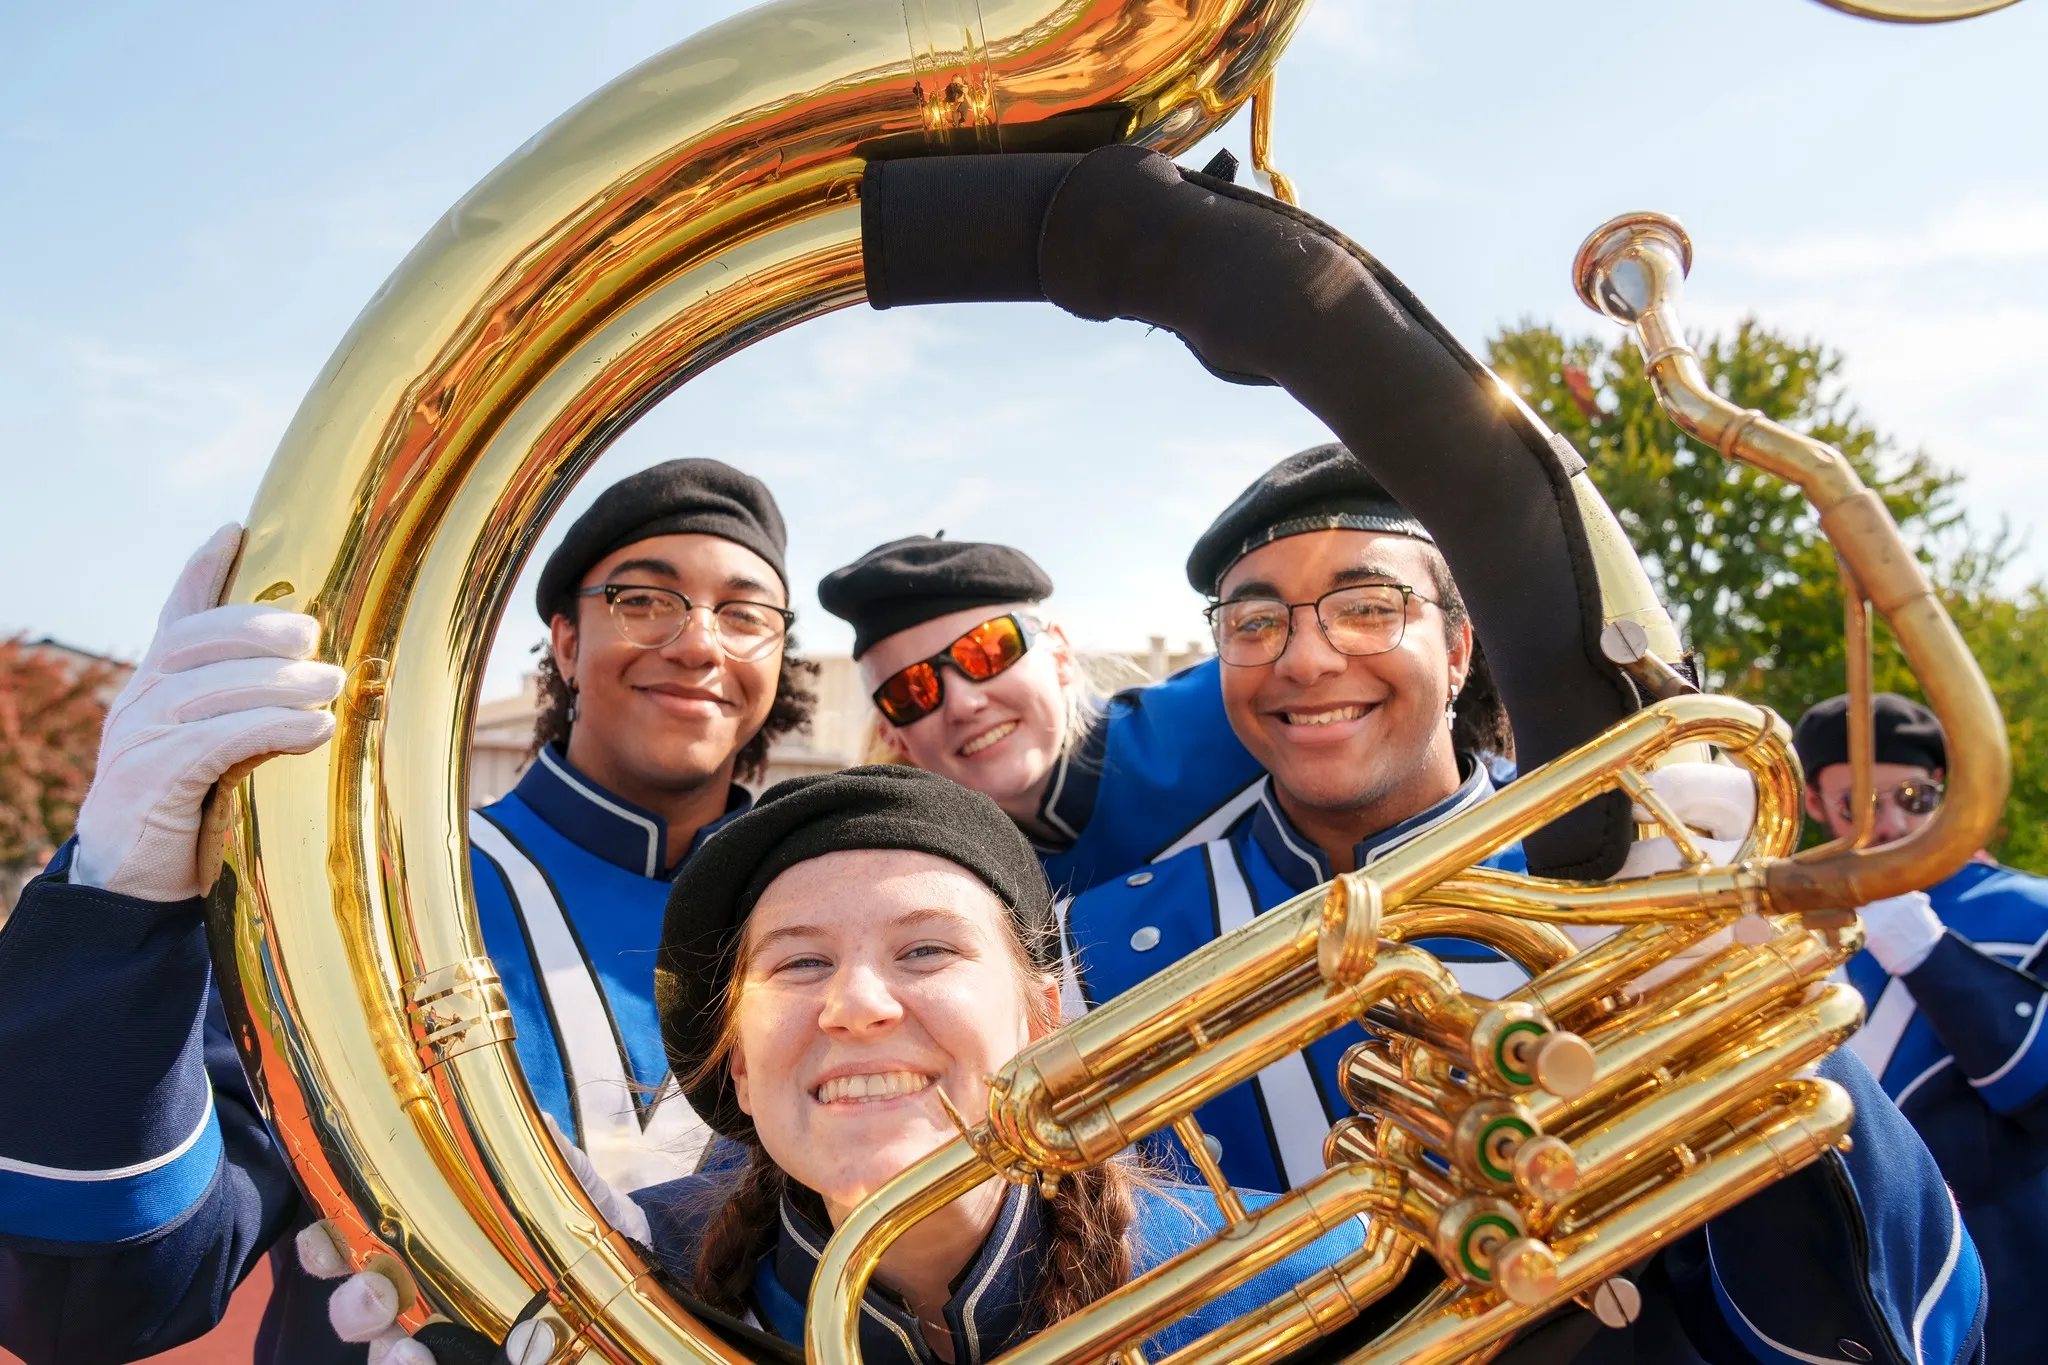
{"x":1313,"y":1309}
{"x":1632,"y":270}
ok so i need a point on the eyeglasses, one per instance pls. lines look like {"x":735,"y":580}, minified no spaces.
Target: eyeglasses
{"x":653,"y":618}
{"x":910,"y":694}
{"x":1914,"y":796}
{"x":1368,"y":619}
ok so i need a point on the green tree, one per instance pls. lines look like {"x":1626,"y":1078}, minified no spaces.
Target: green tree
{"x":1738,"y":556}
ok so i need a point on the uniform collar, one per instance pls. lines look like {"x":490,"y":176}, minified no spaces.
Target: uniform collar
{"x":1070,"y":795}
{"x":1302,"y":865}
{"x":604,"y":822}
{"x":986,"y":1311}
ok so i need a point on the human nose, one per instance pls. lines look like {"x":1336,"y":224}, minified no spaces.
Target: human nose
{"x":1308,"y":654}
{"x":696,"y":645}
{"x":858,"y":1000}
{"x":963,"y":695}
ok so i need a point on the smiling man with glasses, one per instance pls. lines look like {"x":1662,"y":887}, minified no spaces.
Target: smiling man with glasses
{"x":1955,"y":981}
{"x":1350,"y":671}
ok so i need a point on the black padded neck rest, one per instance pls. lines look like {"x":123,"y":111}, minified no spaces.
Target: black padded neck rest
{"x":1263,"y":293}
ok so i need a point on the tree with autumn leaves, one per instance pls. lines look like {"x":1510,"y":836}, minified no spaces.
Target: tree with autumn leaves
{"x":50,"y":714}
{"x":1739,"y":558}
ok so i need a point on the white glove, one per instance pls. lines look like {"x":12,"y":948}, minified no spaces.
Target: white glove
{"x":1902,"y":930}
{"x":220,"y":690}
{"x":364,"y":1307}
{"x":1706,"y":796}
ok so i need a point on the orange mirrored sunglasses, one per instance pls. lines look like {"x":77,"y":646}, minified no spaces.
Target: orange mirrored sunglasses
{"x":910,"y":694}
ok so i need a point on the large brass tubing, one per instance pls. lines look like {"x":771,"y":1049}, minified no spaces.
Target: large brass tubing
{"x":832,"y":1325}
{"x":1129,"y":1107}
{"x":1632,"y":269}
{"x":1682,"y":1016}
{"x":1712,"y":1087}
{"x":1370,"y":1083}
{"x":1536,"y":947}
{"x":1611,"y":964}
{"x":1318,"y":1306}
{"x":703,"y":201}
{"x":1228,"y":1259}
{"x":1815,"y":1119}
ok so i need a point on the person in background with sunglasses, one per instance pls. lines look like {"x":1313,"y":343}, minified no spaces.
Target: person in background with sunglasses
{"x":971,"y":681}
{"x":1348,"y":670}
{"x":669,"y":670}
{"x":1955,"y":980}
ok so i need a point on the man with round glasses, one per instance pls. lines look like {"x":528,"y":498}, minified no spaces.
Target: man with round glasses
{"x":1955,"y":982}
{"x":667,"y":674}
{"x":1349,"y":670}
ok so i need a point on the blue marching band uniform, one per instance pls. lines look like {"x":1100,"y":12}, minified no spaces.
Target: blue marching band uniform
{"x":987,"y":1310}
{"x":121,"y":1239}
{"x":1959,"y":1046}
{"x":1861,"y":1256}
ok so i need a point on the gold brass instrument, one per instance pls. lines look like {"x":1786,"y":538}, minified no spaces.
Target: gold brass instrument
{"x":707,"y":199}
{"x":701,"y":202}
{"x":1536,"y":1145}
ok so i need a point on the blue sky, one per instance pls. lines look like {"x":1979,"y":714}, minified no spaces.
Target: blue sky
{"x":195,"y":200}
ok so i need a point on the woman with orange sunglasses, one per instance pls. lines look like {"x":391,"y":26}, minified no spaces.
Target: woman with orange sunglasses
{"x":971,"y":680}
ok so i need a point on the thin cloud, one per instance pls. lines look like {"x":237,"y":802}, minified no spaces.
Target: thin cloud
{"x":1992,"y":229}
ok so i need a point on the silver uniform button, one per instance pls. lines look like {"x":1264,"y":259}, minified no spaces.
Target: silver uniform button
{"x":1145,"y":940}
{"x":1215,"y":1146}
{"x":2024,"y":1009}
{"x":1138,"y":879}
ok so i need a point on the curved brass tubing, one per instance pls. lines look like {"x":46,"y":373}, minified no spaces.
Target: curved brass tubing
{"x":1632,"y":269}
{"x":701,"y":202}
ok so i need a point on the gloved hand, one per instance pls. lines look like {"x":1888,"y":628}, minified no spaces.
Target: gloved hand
{"x":364,"y":1307}
{"x":1713,"y":797}
{"x":1902,"y":931}
{"x":220,"y":690}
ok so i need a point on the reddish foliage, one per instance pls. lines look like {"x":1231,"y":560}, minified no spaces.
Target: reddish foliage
{"x":51,"y":709}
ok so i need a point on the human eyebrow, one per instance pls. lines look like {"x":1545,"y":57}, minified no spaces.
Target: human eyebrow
{"x":1254,"y":588}
{"x":787,"y":931}
{"x":660,"y":567}
{"x":740,"y":583}
{"x":1363,"y":573}
{"x":934,"y":915}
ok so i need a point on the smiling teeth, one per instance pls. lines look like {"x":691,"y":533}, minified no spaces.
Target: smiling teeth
{"x":1330,"y":717}
{"x":980,"y":742}
{"x":861,"y":1089}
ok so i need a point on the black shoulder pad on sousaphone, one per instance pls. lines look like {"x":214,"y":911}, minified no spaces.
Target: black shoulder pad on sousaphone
{"x":1265,"y":294}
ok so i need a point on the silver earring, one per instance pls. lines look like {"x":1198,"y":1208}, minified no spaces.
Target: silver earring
{"x":1451,"y":710}
{"x":575,"y":703}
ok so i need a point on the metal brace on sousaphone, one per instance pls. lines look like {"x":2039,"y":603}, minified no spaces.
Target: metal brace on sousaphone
{"x":743,"y":182}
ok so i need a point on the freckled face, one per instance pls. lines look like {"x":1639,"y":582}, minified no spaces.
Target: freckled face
{"x":872,"y":977}
{"x":1338,"y":731}
{"x":1000,"y":737}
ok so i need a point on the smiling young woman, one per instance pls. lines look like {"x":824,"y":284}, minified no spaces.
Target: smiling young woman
{"x":972,"y":679}
{"x":832,"y":962}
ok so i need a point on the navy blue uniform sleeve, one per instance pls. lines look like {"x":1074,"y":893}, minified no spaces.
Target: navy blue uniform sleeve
{"x":138,"y":1184}
{"x":1989,"y":1016}
{"x":1863,"y":1248}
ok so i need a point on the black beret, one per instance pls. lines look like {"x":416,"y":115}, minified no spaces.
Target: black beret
{"x":1320,"y":489}
{"x":883,"y":806}
{"x":910,"y":581}
{"x":1907,"y":733}
{"x":678,"y":497}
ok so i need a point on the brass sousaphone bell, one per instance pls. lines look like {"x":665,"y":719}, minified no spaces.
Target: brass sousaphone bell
{"x":763,"y":173}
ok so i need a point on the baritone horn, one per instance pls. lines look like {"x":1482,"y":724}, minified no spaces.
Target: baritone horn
{"x":1537,"y":1145}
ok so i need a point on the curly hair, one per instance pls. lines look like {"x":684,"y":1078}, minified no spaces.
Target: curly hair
{"x":1482,"y":725}
{"x":791,"y":710}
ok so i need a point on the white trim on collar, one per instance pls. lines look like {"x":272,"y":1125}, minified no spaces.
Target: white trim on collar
{"x":597,"y":798}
